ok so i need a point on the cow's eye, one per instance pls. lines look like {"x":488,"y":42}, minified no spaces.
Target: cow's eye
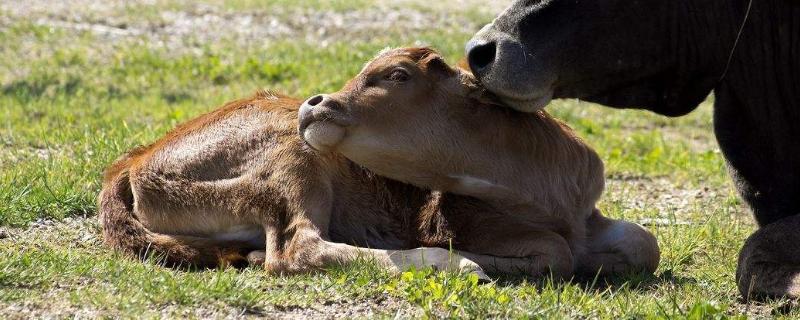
{"x":397,"y":75}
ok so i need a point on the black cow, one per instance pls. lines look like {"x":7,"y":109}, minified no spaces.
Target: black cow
{"x":667,"y":56}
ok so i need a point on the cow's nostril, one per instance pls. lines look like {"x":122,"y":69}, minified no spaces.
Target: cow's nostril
{"x":315,"y":100}
{"x":481,"y":55}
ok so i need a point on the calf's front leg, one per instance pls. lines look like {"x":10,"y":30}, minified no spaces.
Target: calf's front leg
{"x":616,"y":247}
{"x":308,"y":251}
{"x":535,"y":253}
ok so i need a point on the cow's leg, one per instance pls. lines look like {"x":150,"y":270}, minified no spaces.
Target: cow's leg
{"x":769,"y":263}
{"x":616,"y":246}
{"x":763,"y":162}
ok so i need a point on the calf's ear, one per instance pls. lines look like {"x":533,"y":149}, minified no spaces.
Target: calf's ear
{"x":476,"y":91}
{"x":435,"y":65}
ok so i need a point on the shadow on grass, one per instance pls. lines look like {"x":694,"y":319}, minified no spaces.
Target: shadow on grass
{"x":635,"y":281}
{"x":29,"y":89}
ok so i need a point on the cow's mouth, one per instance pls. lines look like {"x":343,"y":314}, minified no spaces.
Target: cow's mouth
{"x":517,"y":95}
{"x":531,"y":104}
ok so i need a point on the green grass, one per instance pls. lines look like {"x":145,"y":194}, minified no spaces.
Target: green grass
{"x":71,"y":102}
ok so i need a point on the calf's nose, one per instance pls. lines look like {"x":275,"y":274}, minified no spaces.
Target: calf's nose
{"x":320,"y":107}
{"x":321,"y":101}
{"x":306,"y":113}
{"x":481,"y":55}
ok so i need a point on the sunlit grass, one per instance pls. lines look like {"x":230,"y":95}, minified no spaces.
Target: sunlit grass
{"x":71,"y":102}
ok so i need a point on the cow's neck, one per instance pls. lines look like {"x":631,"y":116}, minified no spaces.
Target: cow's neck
{"x":757,"y":110}
{"x":764,"y":72}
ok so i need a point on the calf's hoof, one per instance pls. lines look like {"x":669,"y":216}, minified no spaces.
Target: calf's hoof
{"x":257,"y":258}
{"x":438,"y":259}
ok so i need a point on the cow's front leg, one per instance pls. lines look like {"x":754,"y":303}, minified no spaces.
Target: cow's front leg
{"x":769,"y":263}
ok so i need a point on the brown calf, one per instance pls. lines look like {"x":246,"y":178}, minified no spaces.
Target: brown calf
{"x":516,"y":192}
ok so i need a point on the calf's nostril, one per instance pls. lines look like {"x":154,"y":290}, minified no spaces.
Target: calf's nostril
{"x":315,"y":100}
{"x":481,"y":55}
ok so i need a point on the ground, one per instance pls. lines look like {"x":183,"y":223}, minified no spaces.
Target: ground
{"x":82,"y":81}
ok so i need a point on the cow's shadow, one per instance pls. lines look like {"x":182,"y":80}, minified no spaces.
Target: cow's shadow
{"x":641,"y":282}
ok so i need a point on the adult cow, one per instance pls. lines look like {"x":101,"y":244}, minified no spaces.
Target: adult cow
{"x":667,"y":56}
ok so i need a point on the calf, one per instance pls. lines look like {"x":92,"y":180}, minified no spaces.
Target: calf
{"x":512,"y":192}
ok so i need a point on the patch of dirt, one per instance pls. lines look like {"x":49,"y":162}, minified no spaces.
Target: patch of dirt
{"x":676,"y":204}
{"x":764,"y":310}
{"x":188,"y":27}
{"x":73,"y":232}
{"x":199,"y":24}
{"x":697,"y":140}
{"x":84,"y":233}
{"x":345,"y":310}
{"x":30,"y":310}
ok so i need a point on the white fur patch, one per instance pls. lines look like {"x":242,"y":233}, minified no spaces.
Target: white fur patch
{"x":323,"y":136}
{"x":474,"y":186}
{"x":253,"y":234}
{"x":613,"y":234}
{"x":620,"y":231}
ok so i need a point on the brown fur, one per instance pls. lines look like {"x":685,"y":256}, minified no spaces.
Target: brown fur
{"x":240,"y":179}
{"x":437,"y":128}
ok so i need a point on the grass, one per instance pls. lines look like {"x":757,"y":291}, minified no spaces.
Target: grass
{"x":72,"y":101}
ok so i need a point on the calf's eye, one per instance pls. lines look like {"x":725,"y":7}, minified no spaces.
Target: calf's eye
{"x":397,"y":75}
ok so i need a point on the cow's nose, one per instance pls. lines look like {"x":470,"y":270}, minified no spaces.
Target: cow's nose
{"x":481,"y":55}
{"x":315,"y":100}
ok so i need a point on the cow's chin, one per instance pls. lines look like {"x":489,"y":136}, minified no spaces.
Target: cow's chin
{"x":323,"y":136}
{"x":520,"y":97}
{"x":531,"y":104}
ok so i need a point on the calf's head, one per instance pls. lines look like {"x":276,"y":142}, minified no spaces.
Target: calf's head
{"x":403,"y":116}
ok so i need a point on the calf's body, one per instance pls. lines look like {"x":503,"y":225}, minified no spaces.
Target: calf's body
{"x":240,"y":181}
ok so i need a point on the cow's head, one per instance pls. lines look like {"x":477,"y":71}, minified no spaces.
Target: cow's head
{"x":652,"y":54}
